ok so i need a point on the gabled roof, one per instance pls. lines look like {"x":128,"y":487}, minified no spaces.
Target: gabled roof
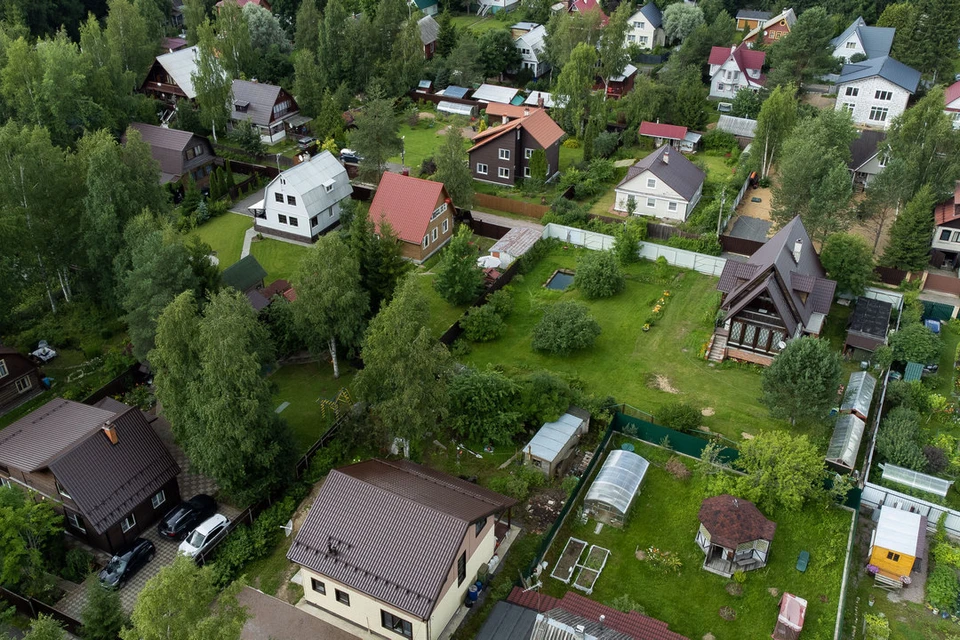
{"x":428,"y":29}
{"x":173,"y":44}
{"x":553,"y":437}
{"x":876,"y":41}
{"x":747,"y":59}
{"x":900,"y":531}
{"x":454,"y":91}
{"x":407,"y":203}
{"x":949,"y":210}
{"x":560,"y":624}
{"x":627,"y":72}
{"x":311,"y":179}
{"x":498,"y":109}
{"x":657,"y":130}
{"x":583,"y":6}
{"x":259,"y":98}
{"x":33,"y":441}
{"x":742,"y":127}
{"x":538,"y":124}
{"x":732,"y":521}
{"x":677,"y":172}
{"x":534,"y":39}
{"x":243,"y":274}
{"x":508,"y":622}
{"x":787,"y":15}
{"x":534,"y":98}
{"x":951,"y":93}
{"x":494,"y":93}
{"x":181,"y":65}
{"x":166,"y":147}
{"x":391,"y":530}
{"x":107,"y":480}
{"x":752,"y":14}
{"x":885,"y":67}
{"x":652,"y":13}
{"x":865,"y":147}
{"x":517,"y":241}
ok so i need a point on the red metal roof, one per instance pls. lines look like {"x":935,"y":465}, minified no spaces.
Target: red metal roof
{"x":657,"y":130}
{"x":538,"y":124}
{"x":951,"y":93}
{"x":510,"y":110}
{"x":582,"y":6}
{"x":745,"y":57}
{"x":406,"y":203}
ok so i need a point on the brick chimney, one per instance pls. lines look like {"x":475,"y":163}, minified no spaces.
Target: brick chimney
{"x":526,"y":112}
{"x":540,"y":106}
{"x":110,"y":431}
{"x":666,"y":156}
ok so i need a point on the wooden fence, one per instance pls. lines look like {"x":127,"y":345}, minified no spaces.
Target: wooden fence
{"x":284,"y":161}
{"x":115,"y":387}
{"x":889,"y":275}
{"x":742,"y":246}
{"x":31,"y":608}
{"x":487,"y":229}
{"x":511,"y":206}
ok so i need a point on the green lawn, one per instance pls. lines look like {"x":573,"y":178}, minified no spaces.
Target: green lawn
{"x":269,"y":573}
{"x":664,"y":515}
{"x":478,"y":25}
{"x":943,"y":381}
{"x":280,"y":259}
{"x":442,"y":313}
{"x":717,"y":168}
{"x":225,"y":236}
{"x":569,"y":157}
{"x":301,"y":385}
{"x":633,"y":366}
{"x":423,"y":140}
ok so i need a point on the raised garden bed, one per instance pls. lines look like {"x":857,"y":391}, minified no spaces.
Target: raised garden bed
{"x":569,"y":560}
{"x":591,"y":568}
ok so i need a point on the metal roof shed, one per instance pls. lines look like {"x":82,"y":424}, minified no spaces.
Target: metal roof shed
{"x":554,"y":442}
{"x":916,"y":480}
{"x":859,"y":394}
{"x":609,"y":497}
{"x":457,"y":109}
{"x":454,"y":91}
{"x":845,"y":442}
{"x":495,"y":93}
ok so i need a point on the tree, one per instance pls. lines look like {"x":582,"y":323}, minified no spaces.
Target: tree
{"x":690,"y":100}
{"x":247,"y":137}
{"x":211,"y":82}
{"x":102,"y":615}
{"x":264,"y":30}
{"x":377,"y":251}
{"x":782,"y":470}
{"x":805,"y":53}
{"x":497,"y":52}
{"x":899,"y":439}
{"x":459,"y":277}
{"x":747,"y":104}
{"x":565,"y":327}
{"x":911,"y":233}
{"x":774,"y":123}
{"x":30,"y":533}
{"x":404,"y":67}
{"x":233,"y":39}
{"x":307,"y":34}
{"x":308,"y":82}
{"x":680,"y":19}
{"x":612,"y":48}
{"x":484,"y":406}
{"x":802,"y":381}
{"x":453,"y":169}
{"x":680,"y":416}
{"x":376,"y":135}
{"x":333,"y":43}
{"x":446,"y":35}
{"x":183,"y":602}
{"x":848,"y":259}
{"x":915,"y":343}
{"x":331,"y":305}
{"x":463,"y":63}
{"x":599,"y":275}
{"x":901,"y":16}
{"x":573,"y":87}
{"x":482,"y":324}
{"x":932,"y":48}
{"x":126,"y":34}
{"x":565,"y":31}
{"x":45,"y":628}
{"x":194,"y":13}
{"x":628,"y":236}
{"x":406,"y":371}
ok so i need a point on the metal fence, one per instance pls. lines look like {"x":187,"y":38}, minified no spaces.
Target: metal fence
{"x":686,"y":443}
{"x":579,"y":237}
{"x":700,"y":262}
{"x":876,"y":496}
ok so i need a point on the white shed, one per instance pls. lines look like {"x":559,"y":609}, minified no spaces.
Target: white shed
{"x":514,"y":244}
{"x":555,"y":441}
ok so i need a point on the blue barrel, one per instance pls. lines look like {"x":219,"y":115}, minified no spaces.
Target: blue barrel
{"x":473,"y":593}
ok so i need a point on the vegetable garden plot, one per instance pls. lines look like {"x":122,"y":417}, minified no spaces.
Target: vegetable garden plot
{"x":591,"y":569}
{"x":569,"y":560}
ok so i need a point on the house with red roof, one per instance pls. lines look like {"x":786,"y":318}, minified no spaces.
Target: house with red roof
{"x":501,"y":154}
{"x":584,"y":6}
{"x":946,"y":237}
{"x":735,"y":68}
{"x":951,"y":98}
{"x":676,"y":136}
{"x":420,"y":213}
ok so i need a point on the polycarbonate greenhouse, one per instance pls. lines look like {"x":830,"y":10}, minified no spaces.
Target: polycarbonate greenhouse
{"x":845,"y":443}
{"x":916,"y":480}
{"x":609,"y":497}
{"x":859,"y":394}
{"x":457,"y":109}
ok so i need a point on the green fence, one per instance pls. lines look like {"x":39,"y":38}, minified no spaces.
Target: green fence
{"x":936,"y":311}
{"x":685,"y":443}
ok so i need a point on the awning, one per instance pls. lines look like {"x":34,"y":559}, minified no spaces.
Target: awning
{"x":256,"y":207}
{"x":298,"y":120}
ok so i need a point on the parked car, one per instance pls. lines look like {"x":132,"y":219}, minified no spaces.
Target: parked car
{"x":205,"y":536}
{"x":306,"y":142}
{"x":349,"y":155}
{"x":186,"y":516}
{"x":123,"y":565}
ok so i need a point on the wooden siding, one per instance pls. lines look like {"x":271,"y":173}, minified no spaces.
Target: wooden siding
{"x":10,"y":396}
{"x":892,"y":568}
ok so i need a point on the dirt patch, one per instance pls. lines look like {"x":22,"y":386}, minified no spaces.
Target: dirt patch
{"x":707,"y":411}
{"x":709,"y":636}
{"x":823,"y":598}
{"x":569,"y":559}
{"x":641,"y":555}
{"x":734,"y":589}
{"x":427,"y":114}
{"x":774,"y":592}
{"x":728,"y":614}
{"x":755,"y":209}
{"x":288,"y":591}
{"x":542,"y":510}
{"x":663,"y":383}
{"x":746,"y":436}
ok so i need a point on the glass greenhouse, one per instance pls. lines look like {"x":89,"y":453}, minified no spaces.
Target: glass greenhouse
{"x":845,"y":442}
{"x":859,"y":394}
{"x":611,"y":493}
{"x":457,"y":109}
{"x":917,"y":480}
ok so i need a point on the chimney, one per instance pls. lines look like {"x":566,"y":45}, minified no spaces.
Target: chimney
{"x":666,"y":156}
{"x":540,"y":103}
{"x":733,"y":48}
{"x":526,"y":112}
{"x":111,"y":432}
{"x":797,"y":248}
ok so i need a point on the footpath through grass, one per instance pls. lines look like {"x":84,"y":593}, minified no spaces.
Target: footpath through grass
{"x":224,"y":234}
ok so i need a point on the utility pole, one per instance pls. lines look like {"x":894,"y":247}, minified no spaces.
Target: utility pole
{"x":723,"y":200}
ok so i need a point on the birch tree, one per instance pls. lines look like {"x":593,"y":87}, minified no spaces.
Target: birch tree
{"x":612,"y":47}
{"x":777,"y":117}
{"x":211,"y":82}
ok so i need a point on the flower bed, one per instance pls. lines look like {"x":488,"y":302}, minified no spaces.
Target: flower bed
{"x":569,"y":560}
{"x":657,"y":311}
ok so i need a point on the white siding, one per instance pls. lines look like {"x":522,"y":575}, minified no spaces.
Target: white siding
{"x":726,"y":79}
{"x":952,"y":244}
{"x":641,"y":33}
{"x":865,"y":100}
{"x":661,"y":196}
{"x":849,"y":48}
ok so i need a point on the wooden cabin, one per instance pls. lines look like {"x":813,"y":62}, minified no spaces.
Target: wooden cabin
{"x":898,"y":545}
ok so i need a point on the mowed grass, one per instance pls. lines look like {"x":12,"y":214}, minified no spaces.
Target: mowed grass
{"x":664,"y":515}
{"x":442,"y":313}
{"x":422,"y":141}
{"x":224,"y":234}
{"x":301,"y":385}
{"x":633,"y":366}
{"x":279,"y":259}
{"x":478,"y":25}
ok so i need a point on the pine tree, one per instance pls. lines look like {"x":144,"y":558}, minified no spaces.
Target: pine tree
{"x":102,"y":616}
{"x":911,"y":233}
{"x":228,"y":176}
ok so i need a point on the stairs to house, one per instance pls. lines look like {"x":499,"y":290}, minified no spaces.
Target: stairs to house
{"x":483,"y":10}
{"x":718,"y":348}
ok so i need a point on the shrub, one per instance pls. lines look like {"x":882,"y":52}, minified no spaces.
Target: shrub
{"x":915,"y":343}
{"x":899,"y":437}
{"x":482,"y":324}
{"x":716,"y":140}
{"x":942,"y":587}
{"x":569,"y":484}
{"x":677,"y":469}
{"x":605,"y":144}
{"x":565,"y":327}
{"x":937,"y":459}
{"x":511,"y":485}
{"x":502,"y":302}
{"x":625,"y":603}
{"x":628,"y":237}
{"x":599,"y":275}
{"x":679,"y":416}
{"x":876,"y":627}
{"x":535,"y":254}
{"x":77,"y":565}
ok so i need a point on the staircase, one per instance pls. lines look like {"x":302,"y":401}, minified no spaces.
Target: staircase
{"x":718,"y":347}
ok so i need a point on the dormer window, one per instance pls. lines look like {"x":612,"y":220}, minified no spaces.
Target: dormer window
{"x":62,"y":491}
{"x":241,"y":107}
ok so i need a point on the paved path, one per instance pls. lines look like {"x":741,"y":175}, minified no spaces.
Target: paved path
{"x":503,"y":221}
{"x":242,"y":206}
{"x":273,"y":619}
{"x":248,"y":237}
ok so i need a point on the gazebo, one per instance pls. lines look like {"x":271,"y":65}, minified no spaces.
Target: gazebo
{"x":733,"y":535}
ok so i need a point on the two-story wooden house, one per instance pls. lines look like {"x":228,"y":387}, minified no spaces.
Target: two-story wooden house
{"x":103,"y":467}
{"x":501,"y":155}
{"x":772,"y":29}
{"x":645,"y":27}
{"x":946,"y":235}
{"x":170,"y":78}
{"x":393,"y":547}
{"x":267,"y":106}
{"x":181,"y":154}
{"x":19,"y":379}
{"x":663,"y":184}
{"x":420,"y":213}
{"x":750,"y":19}
{"x":531,"y":42}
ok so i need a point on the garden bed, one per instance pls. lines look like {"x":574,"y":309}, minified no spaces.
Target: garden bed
{"x":591,"y":569}
{"x":569,"y":560}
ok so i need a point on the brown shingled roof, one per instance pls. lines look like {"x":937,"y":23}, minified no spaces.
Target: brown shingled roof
{"x":538,"y":124}
{"x":732,"y":521}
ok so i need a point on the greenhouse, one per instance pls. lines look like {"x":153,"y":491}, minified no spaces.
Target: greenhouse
{"x":916,"y":480}
{"x":845,"y":443}
{"x":859,"y":394}
{"x":457,"y":109}
{"x":609,"y":497}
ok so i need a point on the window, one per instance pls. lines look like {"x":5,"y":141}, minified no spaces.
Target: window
{"x":631,"y":38}
{"x":879,"y":114}
{"x":76,"y":522}
{"x":292,"y":201}
{"x":720,"y":86}
{"x":278,"y":197}
{"x":503,"y":172}
{"x":343,"y":597}
{"x":478,"y":527}
{"x":23,"y":384}
{"x":504,"y":154}
{"x":128,"y":523}
{"x":328,"y":188}
{"x":462,"y":568}
{"x":528,"y":153}
{"x":852,"y":44}
{"x":672,"y":206}
{"x":395,"y":624}
{"x":438,"y":212}
{"x":426,"y":241}
{"x":158,"y":499}
{"x":282,"y":219}
{"x":3,"y":368}
{"x":849,"y":106}
{"x":434,"y":235}
{"x":852,"y":92}
{"x":651,"y":202}
{"x":956,"y":236}
{"x":294,"y":222}
{"x":883,"y":95}
{"x":446,"y":226}
{"x":526,"y":172}
{"x":62,"y":491}
{"x":313,"y":221}
{"x":318,"y":586}
{"x":643,"y":41}
{"x":651,"y":183}
{"x":945,"y":235}
{"x":893,"y":556}
{"x":481,"y":168}
{"x":5,"y":482}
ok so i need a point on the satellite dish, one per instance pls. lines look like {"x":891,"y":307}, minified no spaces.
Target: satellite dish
{"x":781,"y":345}
{"x":287,"y":528}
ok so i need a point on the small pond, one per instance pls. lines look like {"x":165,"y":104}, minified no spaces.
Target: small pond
{"x":560,"y":280}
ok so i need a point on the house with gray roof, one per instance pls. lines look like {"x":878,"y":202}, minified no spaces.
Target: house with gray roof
{"x":645,"y":27}
{"x":532,"y":46}
{"x":868,"y":157}
{"x":103,"y":468}
{"x":663,"y":184}
{"x":779,"y":294}
{"x":860,"y":39}
{"x":181,"y":154}
{"x":303,"y":202}
{"x":268,"y":107}
{"x":876,"y":91}
{"x":393,"y":547}
{"x":171,"y":76}
{"x":429,"y":30}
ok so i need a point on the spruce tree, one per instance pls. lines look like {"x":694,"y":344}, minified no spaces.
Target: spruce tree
{"x":911,"y":233}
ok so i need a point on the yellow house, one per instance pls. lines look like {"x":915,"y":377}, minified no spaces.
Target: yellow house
{"x":898,"y":543}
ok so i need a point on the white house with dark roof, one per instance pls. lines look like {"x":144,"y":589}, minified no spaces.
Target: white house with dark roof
{"x":267,"y":106}
{"x":876,"y":91}
{"x":532,"y":49}
{"x":663,"y":184}
{"x":393,"y":547}
{"x":858,"y":38}
{"x":735,"y":68}
{"x":951,"y":99}
{"x":867,"y":157}
{"x":645,"y":27}
{"x":303,"y":202}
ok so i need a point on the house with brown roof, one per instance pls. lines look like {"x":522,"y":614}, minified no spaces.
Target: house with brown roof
{"x":105,"y":470}
{"x":271,"y":109}
{"x":392,"y":546}
{"x":181,"y":154}
{"x":733,"y":535}
{"x":772,"y":29}
{"x":664,"y":184}
{"x":779,"y":294}
{"x":420,"y":212}
{"x":19,"y":379}
{"x":501,"y":154}
{"x":946,"y":236}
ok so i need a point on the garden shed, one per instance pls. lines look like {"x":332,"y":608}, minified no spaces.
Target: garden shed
{"x":793,"y":610}
{"x":867,"y":328}
{"x":550,"y":448}
{"x":845,"y":442}
{"x":457,"y":109}
{"x":609,"y":497}
{"x":897,"y":545}
{"x":859,"y":394}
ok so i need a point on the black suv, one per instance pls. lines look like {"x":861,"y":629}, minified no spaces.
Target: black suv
{"x":184,"y":518}
{"x":123,"y":565}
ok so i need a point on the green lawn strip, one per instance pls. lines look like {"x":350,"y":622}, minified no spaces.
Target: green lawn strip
{"x":421,"y":141}
{"x":943,"y":381}
{"x":268,"y":573}
{"x":224,"y":234}
{"x":280,"y":259}
{"x":570,"y":157}
{"x":442,"y":313}
{"x":31,"y":405}
{"x":477,"y":24}
{"x":664,"y":516}
{"x":625,"y":362}
{"x":602,"y":206}
{"x":718,"y":171}
{"x":301,"y":385}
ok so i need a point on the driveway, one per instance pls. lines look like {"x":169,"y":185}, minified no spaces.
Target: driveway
{"x":242,"y":206}
{"x":272,"y":619}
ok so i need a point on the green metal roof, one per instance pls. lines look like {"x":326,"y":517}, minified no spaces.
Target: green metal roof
{"x":244,"y":274}
{"x":423,"y":4}
{"x":913,"y":372}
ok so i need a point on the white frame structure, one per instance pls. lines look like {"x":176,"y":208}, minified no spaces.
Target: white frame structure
{"x":916,"y":480}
